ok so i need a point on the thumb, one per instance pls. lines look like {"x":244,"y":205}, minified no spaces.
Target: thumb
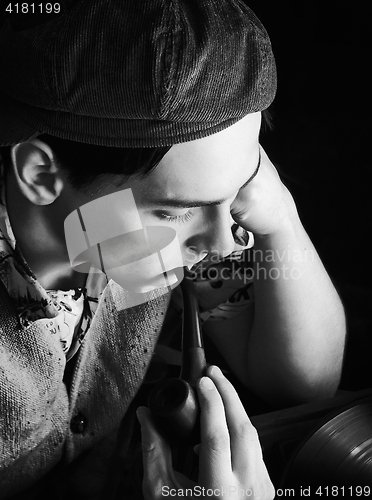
{"x":156,"y":455}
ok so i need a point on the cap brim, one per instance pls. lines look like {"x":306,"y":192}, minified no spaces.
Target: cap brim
{"x":21,"y":122}
{"x":13,"y":128}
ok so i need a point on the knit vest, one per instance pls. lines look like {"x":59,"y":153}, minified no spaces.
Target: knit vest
{"x":41,"y":422}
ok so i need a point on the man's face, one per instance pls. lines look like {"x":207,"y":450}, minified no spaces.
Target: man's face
{"x":191,"y":191}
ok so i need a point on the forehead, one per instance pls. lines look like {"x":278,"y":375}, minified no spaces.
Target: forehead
{"x":207,"y":169}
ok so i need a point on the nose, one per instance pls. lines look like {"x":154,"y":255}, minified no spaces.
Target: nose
{"x":215,"y":237}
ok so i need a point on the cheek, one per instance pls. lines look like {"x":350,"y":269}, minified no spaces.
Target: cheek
{"x":189,"y":235}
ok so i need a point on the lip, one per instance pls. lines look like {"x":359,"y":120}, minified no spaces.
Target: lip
{"x":141,"y":279}
{"x":194,"y":266}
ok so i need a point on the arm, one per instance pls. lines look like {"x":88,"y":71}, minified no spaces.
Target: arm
{"x":291,"y":348}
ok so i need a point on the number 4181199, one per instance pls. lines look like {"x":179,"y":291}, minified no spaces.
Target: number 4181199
{"x":32,"y":8}
{"x":341,"y":491}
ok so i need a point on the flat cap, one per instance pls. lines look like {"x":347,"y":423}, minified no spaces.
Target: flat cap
{"x":133,"y":73}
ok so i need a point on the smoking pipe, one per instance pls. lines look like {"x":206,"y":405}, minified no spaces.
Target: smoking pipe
{"x":173,"y":402}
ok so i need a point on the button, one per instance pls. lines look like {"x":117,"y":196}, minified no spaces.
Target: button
{"x":78,"y":423}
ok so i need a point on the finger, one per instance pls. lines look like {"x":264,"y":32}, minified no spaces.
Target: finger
{"x":157,"y":460}
{"x":215,"y":458}
{"x":245,"y":444}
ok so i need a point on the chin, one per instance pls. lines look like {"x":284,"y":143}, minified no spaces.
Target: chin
{"x":143,"y":282}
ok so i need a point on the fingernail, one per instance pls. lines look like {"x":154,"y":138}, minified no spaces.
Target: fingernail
{"x":206,"y":383}
{"x":216,"y":372}
{"x":140,"y":415}
{"x":240,"y":235}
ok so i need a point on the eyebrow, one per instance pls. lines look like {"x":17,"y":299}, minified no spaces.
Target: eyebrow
{"x":182,"y":203}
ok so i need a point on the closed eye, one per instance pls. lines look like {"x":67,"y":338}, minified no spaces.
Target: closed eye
{"x":178,"y":218}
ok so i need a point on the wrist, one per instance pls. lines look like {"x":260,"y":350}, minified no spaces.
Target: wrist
{"x":287,"y":222}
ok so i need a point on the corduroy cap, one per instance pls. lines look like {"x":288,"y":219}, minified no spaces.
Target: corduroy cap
{"x":133,"y":73}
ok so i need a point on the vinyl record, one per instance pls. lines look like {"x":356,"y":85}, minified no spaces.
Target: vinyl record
{"x":337,"y":453}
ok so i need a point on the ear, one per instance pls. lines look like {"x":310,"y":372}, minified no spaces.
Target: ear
{"x":36,"y":173}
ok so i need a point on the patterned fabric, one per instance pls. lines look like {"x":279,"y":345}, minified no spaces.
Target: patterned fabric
{"x":224,"y":288}
{"x":67,"y":314}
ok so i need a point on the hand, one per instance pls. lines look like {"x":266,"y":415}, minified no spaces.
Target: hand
{"x":230,"y":452}
{"x":265,"y":204}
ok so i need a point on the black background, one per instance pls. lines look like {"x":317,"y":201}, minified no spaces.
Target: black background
{"x":320,"y":143}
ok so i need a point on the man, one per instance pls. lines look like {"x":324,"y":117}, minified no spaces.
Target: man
{"x":158,"y":103}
